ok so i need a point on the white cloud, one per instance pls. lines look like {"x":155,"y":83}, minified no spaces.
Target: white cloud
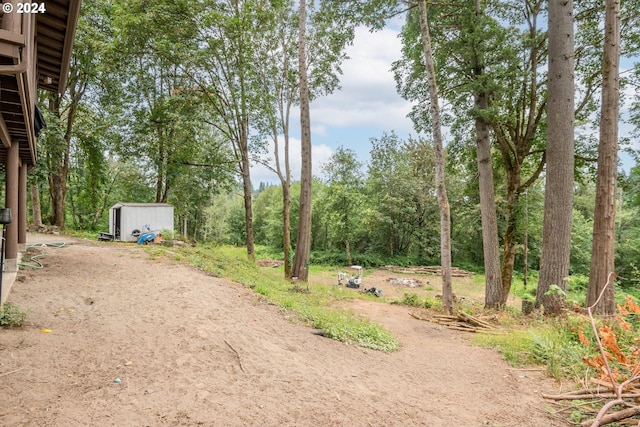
{"x":368,"y":97}
{"x":366,"y":105}
{"x":320,"y":154}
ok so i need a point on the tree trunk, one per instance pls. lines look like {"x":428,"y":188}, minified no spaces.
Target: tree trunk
{"x":303,"y":245}
{"x":558,"y":200}
{"x":604,"y":219}
{"x":248,"y":194}
{"x":443,"y":201}
{"x":347,"y":247}
{"x":160,"y":165}
{"x":494,"y":297}
{"x":285,"y":183}
{"x":509,"y":238}
{"x":185,"y":230}
{"x":58,"y":158}
{"x":35,"y":204}
{"x":58,"y":155}
{"x":286,"y":227}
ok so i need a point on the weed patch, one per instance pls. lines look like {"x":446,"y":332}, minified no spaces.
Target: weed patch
{"x":11,"y":315}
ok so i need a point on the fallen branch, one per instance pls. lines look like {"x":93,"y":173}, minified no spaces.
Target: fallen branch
{"x":599,"y":420}
{"x":417,"y":316}
{"x":461,"y":322}
{"x":475,"y":321}
{"x":584,"y":396}
{"x":623,"y":414}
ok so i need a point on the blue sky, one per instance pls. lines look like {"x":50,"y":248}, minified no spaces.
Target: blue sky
{"x":366,"y":106}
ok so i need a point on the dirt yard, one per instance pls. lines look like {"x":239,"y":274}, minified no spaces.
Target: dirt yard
{"x":115,"y":338}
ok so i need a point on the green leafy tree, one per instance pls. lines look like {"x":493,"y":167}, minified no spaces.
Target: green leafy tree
{"x":436,"y":125}
{"x":89,"y":182}
{"x":402,"y":216}
{"x":278,"y":78}
{"x":91,"y":48}
{"x":345,"y":197}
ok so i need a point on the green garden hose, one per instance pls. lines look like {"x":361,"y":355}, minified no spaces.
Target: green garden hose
{"x":34,"y":263}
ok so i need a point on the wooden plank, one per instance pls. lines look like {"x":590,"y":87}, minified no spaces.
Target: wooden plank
{"x":4,"y":133}
{"x":72,"y":23}
{"x":16,"y":39}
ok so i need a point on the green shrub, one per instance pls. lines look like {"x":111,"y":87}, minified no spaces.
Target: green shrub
{"x":11,"y":315}
{"x":412,"y":299}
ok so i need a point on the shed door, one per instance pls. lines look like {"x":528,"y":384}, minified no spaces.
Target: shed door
{"x":116,"y":222}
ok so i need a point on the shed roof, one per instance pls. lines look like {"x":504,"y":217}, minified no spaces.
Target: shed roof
{"x":141,"y":205}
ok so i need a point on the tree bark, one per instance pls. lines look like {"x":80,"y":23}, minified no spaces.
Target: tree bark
{"x":286,"y":227}
{"x":443,"y":200}
{"x":303,"y":246}
{"x":604,"y":219}
{"x":509,"y":238}
{"x":35,"y":204}
{"x":558,"y":201}
{"x":494,"y":297}
{"x":58,"y":159}
{"x":247,"y":190}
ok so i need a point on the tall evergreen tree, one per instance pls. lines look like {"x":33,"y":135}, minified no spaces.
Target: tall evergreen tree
{"x":604,"y":220}
{"x":556,"y":233}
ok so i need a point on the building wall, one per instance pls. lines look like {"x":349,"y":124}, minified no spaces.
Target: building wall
{"x":135,"y":217}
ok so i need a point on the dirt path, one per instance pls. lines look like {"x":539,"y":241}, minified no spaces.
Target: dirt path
{"x":141,"y":342}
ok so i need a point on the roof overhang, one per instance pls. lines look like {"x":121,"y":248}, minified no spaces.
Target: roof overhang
{"x":35,"y":53}
{"x":55,"y":32}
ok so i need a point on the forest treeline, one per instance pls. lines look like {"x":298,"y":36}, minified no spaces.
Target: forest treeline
{"x":173,"y":101}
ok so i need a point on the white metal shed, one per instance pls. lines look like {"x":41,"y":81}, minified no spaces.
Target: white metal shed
{"x":124,"y":218}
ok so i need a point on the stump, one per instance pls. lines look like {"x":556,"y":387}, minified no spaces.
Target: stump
{"x":527,"y":306}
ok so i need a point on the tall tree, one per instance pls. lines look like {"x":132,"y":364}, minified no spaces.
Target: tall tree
{"x":520,"y":107}
{"x":443,"y":201}
{"x":604,"y":220}
{"x":510,"y":101}
{"x":345,"y":196}
{"x":224,"y":71}
{"x":92,"y":41}
{"x":303,"y":242}
{"x":556,"y":233}
{"x":494,"y":293}
{"x":276,"y":61}
{"x":403,"y":212}
{"x":277,"y":76}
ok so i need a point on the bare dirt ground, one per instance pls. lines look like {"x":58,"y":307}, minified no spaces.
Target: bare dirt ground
{"x":115,"y":338}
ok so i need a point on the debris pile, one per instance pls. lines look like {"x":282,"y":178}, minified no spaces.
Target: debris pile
{"x":404,"y":281}
{"x":455,"y":272}
{"x":460,"y":322}
{"x":268,"y":262}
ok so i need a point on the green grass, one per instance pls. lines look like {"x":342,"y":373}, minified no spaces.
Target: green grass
{"x":319,"y":308}
{"x":552,"y":343}
{"x":411,"y":299}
